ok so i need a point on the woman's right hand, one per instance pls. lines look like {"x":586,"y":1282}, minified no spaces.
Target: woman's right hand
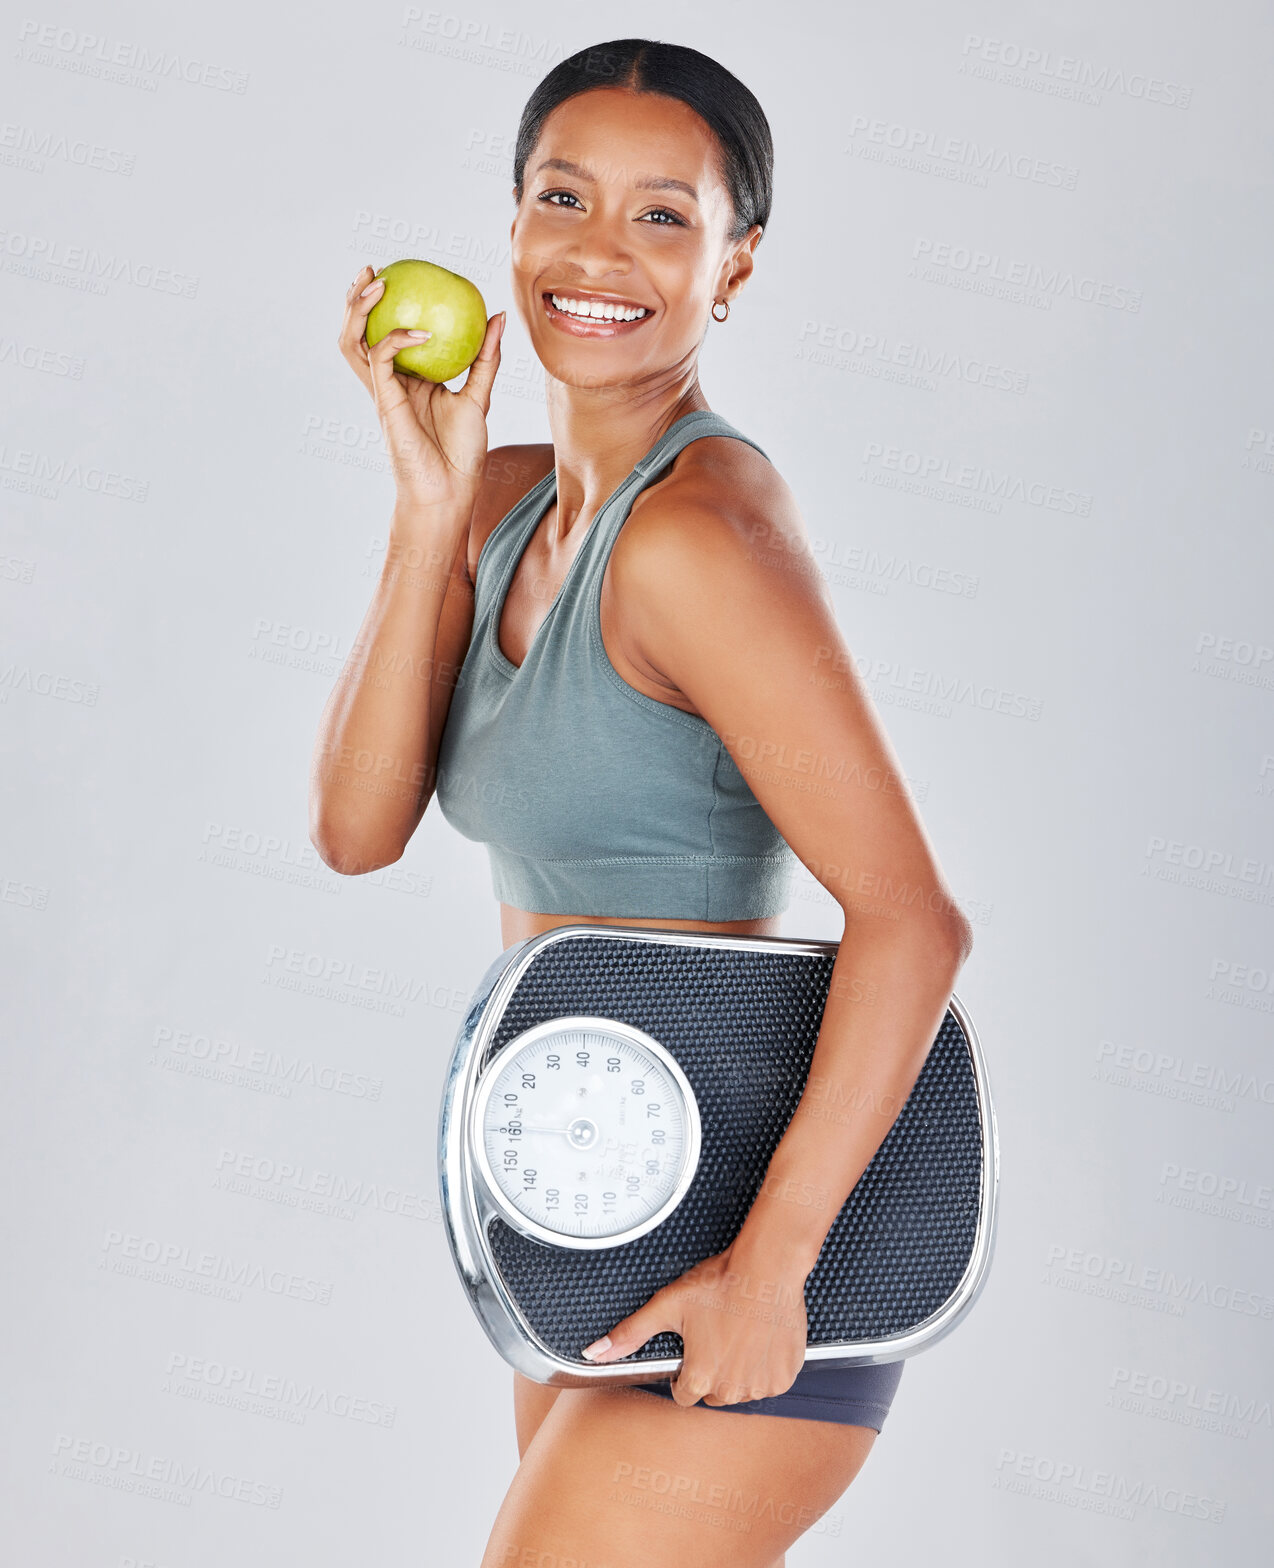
{"x":436,"y":439}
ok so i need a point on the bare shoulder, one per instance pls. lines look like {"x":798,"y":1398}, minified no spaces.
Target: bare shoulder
{"x":509,"y":473}
{"x":723,"y":515}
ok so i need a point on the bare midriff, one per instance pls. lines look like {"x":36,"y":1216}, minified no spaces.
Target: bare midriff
{"x":518,"y":924}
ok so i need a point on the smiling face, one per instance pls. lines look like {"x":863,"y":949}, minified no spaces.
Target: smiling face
{"x":619,"y":243}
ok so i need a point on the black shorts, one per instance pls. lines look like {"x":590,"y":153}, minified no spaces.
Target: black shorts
{"x":853,"y":1396}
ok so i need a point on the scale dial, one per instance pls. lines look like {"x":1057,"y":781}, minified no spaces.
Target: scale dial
{"x":585,"y":1132}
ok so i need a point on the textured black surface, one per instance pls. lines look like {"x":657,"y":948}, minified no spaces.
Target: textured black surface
{"x":743,"y":1027}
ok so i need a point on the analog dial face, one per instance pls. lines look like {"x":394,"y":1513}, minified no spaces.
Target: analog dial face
{"x":585,"y":1131}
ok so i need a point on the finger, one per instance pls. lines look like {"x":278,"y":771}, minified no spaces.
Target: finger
{"x":394,"y":341}
{"x":353,"y":294}
{"x":361,"y":280}
{"x":350,"y":338}
{"x":730,"y":1394}
{"x":481,"y":377}
{"x":380,"y":357}
{"x":361,"y":295}
{"x":688,"y":1388}
{"x":632,"y":1332}
{"x":364,"y":294}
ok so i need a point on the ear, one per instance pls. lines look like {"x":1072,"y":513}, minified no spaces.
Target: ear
{"x":738,"y":266}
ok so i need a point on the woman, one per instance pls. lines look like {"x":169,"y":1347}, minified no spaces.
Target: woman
{"x":611,"y":659}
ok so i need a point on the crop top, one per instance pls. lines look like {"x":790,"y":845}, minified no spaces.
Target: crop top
{"x":591,"y":797}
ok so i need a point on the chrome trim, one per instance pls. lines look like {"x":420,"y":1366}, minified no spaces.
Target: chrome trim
{"x":467,"y":1210}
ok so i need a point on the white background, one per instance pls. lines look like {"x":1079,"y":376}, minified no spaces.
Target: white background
{"x":177,"y":240}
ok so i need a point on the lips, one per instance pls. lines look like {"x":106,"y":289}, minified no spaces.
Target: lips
{"x":591,"y":327}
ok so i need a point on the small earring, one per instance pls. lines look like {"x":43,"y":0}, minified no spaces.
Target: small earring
{"x":717,"y":302}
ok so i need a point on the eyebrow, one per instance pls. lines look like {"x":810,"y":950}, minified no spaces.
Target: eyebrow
{"x":651,"y":182}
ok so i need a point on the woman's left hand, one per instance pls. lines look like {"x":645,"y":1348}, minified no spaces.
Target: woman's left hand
{"x":743,"y":1330}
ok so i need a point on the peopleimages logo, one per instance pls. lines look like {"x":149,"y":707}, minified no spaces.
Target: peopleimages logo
{"x":254,"y":1066}
{"x":244,"y":1388}
{"x":1210,"y":869}
{"x":55,"y":470}
{"x":1241,"y":985}
{"x":999,"y":483}
{"x":1216,"y":1193}
{"x":130,"y":1470}
{"x":25,"y":147}
{"x":48,"y":361}
{"x":92,"y":266}
{"x":1182,"y":1403}
{"x":360,"y":985}
{"x":1234,"y":659}
{"x":1093,"y":1489}
{"x":304,"y":1186}
{"x":913,"y":147}
{"x":484,"y":43}
{"x":113,"y":59}
{"x":206,"y":1273}
{"x":1053,"y":72}
{"x":941,"y":691}
{"x":832,"y":343}
{"x":1170,"y":1077}
{"x":46,"y":683}
{"x":985,"y":270}
{"x":1123,"y":1279}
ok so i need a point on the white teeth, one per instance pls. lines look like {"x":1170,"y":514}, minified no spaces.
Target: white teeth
{"x":597,"y":310}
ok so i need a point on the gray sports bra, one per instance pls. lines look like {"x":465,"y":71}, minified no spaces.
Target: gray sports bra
{"x":593,"y":798}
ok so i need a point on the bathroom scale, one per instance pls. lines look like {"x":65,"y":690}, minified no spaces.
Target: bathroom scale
{"x":613,"y":1099}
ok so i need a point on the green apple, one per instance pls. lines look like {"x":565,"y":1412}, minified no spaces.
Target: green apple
{"x":419,"y":294}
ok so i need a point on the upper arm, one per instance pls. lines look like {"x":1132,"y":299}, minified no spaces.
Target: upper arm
{"x":724,"y":599}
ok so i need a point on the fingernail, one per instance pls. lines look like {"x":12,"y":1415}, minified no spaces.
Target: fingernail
{"x":376,"y":283}
{"x":597,"y":1348}
{"x":413,"y":333}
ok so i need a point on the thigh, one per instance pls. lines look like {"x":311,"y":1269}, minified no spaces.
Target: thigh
{"x":531,"y":1403}
{"x":621,"y":1478}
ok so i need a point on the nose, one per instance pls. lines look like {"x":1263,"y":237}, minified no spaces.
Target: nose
{"x":594,"y":249}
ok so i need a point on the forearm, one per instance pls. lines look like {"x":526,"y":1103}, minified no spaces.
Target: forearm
{"x":372,"y":769}
{"x":887,"y":997}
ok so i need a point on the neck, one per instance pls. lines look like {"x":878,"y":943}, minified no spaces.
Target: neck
{"x":598,"y":437}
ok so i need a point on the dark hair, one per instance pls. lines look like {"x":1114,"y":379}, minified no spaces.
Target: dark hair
{"x":645,"y":65}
